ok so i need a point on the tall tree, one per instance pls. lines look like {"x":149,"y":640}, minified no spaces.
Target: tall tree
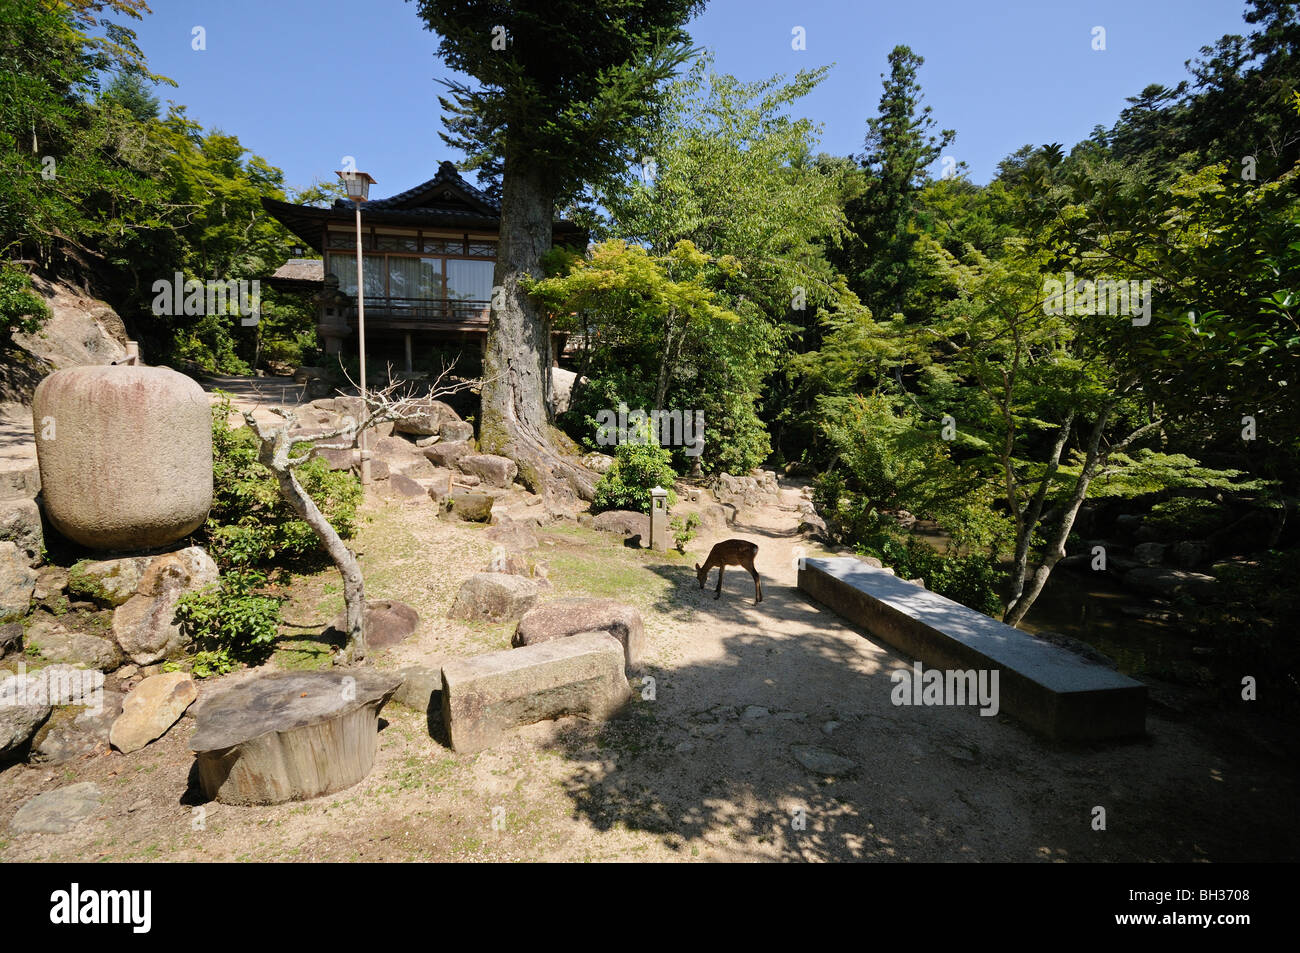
{"x":899,"y":149}
{"x":565,"y":93}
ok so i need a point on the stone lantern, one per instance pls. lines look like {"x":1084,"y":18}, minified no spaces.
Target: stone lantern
{"x":659,"y":518}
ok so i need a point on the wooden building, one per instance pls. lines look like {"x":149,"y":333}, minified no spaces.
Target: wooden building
{"x":428,"y":254}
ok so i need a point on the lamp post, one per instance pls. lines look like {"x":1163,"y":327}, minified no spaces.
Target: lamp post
{"x":358,"y":188}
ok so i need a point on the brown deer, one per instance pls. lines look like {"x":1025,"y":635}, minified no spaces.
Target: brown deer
{"x":731,"y":552}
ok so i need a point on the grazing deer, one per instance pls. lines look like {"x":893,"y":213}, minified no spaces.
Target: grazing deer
{"x":731,"y":552}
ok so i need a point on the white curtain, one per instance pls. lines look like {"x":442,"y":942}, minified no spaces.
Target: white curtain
{"x":469,"y":280}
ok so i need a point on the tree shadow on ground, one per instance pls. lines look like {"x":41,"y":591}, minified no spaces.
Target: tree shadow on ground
{"x":707,"y":757}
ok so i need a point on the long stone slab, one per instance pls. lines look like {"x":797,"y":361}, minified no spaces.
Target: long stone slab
{"x":1043,"y":685}
{"x":487,"y":696}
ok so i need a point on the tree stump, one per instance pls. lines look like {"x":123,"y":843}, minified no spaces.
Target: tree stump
{"x":289,"y":736}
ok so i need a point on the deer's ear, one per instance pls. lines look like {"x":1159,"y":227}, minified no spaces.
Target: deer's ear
{"x":697,"y":567}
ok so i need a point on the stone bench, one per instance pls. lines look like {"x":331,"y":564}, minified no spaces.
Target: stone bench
{"x":486,"y":697}
{"x":1046,"y":687}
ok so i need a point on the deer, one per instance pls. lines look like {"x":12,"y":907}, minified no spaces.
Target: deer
{"x":731,"y":552}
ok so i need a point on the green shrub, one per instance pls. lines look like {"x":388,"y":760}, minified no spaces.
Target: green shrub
{"x":684,"y":532}
{"x":21,"y":309}
{"x":230,"y":622}
{"x":1186,"y":517}
{"x":250,"y":523}
{"x":638,"y":467}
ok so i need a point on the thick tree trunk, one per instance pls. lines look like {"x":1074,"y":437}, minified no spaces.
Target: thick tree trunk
{"x":515,"y":421}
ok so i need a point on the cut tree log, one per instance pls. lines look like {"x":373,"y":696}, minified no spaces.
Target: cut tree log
{"x":289,"y":736}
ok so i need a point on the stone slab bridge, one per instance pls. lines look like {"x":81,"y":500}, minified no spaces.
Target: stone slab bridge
{"x":1048,"y":688}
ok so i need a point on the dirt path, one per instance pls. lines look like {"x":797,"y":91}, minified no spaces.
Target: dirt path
{"x":706,"y":769}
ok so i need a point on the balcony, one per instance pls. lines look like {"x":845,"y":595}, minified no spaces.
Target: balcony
{"x":414,"y":314}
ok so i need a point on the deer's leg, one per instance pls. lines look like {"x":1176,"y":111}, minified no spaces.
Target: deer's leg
{"x":758,"y":587}
{"x":718,"y":594}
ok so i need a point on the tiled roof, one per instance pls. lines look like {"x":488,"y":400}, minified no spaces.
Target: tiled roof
{"x":447,"y":177}
{"x":301,"y":269}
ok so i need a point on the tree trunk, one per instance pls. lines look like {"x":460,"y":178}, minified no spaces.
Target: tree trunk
{"x":515,"y":421}
{"x":1020,"y":607}
{"x":354,"y":587}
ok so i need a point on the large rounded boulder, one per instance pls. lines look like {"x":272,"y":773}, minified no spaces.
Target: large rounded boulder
{"x":125,"y":454}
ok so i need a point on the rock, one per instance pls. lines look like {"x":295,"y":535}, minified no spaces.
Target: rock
{"x":24,"y":707}
{"x":404,"y":488}
{"x":456,"y":431}
{"x":144,"y":626}
{"x":494,"y":597}
{"x":491,"y":469}
{"x":562,"y":382}
{"x":58,"y":811}
{"x":20,"y":524}
{"x":599,"y":462}
{"x":755,"y":713}
{"x":87,"y":733}
{"x":486,"y":697}
{"x":514,"y":536}
{"x":130,"y":464}
{"x":388,"y":622}
{"x":823,"y":762}
{"x":685,"y":747}
{"x":153,"y":706}
{"x":79,"y":330}
{"x":1190,"y":554}
{"x":426,"y":418}
{"x":1149,"y":554}
{"x":428,"y":441}
{"x":338,"y":458}
{"x":446,"y":454}
{"x":871,"y":561}
{"x":108,"y":582}
{"x":623,"y":522}
{"x":813,"y":525}
{"x":828,"y":728}
{"x":563,"y":618}
{"x":471,"y":507}
{"x":11,"y":639}
{"x":419,"y":684}
{"x":17,"y":582}
{"x":1169,"y":581}
{"x":57,"y":644}
{"x":51,"y":583}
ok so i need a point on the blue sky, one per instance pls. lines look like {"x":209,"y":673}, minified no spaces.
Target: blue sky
{"x":305,"y":82}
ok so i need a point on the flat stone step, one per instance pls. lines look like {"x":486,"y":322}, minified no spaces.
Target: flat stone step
{"x":1046,"y":687}
{"x":486,"y":697}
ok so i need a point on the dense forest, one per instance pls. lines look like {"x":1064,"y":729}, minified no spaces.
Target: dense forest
{"x":1103,"y":328}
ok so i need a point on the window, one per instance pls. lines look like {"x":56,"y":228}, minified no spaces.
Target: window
{"x":469,"y":280}
{"x":344,"y":267}
{"x":414,"y":277}
{"x":345,"y":240}
{"x":442,"y":246}
{"x":397,"y":243}
{"x":482,"y":250}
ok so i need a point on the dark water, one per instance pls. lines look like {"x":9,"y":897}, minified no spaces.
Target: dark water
{"x":1081,"y":606}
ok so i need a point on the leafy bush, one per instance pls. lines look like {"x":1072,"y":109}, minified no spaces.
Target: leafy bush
{"x":684,"y":532}
{"x":1186,"y":517}
{"x":639,"y":466}
{"x":250,"y":523}
{"x":21,"y":309}
{"x":230,"y":622}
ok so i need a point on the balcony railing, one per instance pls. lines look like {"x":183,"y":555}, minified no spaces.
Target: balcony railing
{"x":427,"y":311}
